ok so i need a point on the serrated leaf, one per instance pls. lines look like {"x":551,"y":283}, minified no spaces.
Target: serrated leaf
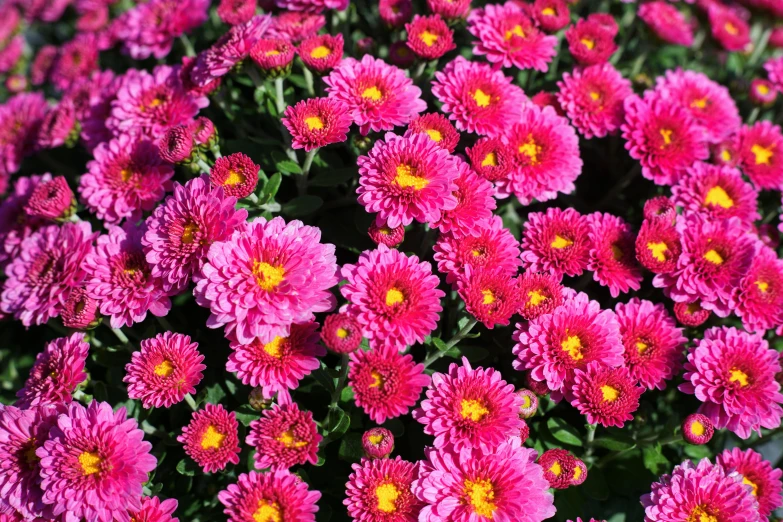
{"x":185,"y":467}
{"x":439,"y":344}
{"x":302,"y":206}
{"x":289,"y":167}
{"x":654,"y":460}
{"x":561,"y":431}
{"x":351,"y":448}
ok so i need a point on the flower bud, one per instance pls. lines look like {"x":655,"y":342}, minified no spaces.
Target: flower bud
{"x":378,"y":443}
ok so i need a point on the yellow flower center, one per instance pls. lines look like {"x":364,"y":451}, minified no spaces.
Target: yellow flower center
{"x":700,"y":515}
{"x":377,"y":380}
{"x":288,"y":440}
{"x":754,"y":487}
{"x":577,"y":472}
{"x":490,"y":160}
{"x":731,"y":28}
{"x":375,"y":439}
{"x":725,"y":155}
{"x":387,"y":495}
{"x":406,"y":177}
{"x":473,"y":410}
{"x":515,"y":31}
{"x":212,"y":438}
{"x":394,"y":296}
{"x":314,"y":123}
{"x":125,"y":175}
{"x":428,"y":38}
{"x":189,"y":233}
{"x":489,"y":297}
{"x":273,"y":52}
{"x":372,"y":93}
{"x":573,"y":347}
{"x":718,"y":197}
{"x":480,"y":495}
{"x":556,"y":469}
{"x":482,"y":99}
{"x":617,"y":252}
{"x":267,"y":512}
{"x":588,"y":42}
{"x":699,"y":103}
{"x":90,"y":463}
{"x":763,"y":155}
{"x":531,"y":149}
{"x":763,"y":286}
{"x":595,"y":96}
{"x":697,"y":428}
{"x":561,"y":242}
{"x":737,"y":375}
{"x":548,"y":11}
{"x":666,"y":134}
{"x":658,"y":251}
{"x":713,"y":257}
{"x":762,"y":89}
{"x":434,"y":135}
{"x":641,"y":347}
{"x":320,"y":52}
{"x":342,"y":333}
{"x":268,"y":276}
{"x":609,"y":393}
{"x":235,"y":178}
{"x":526,"y":402}
{"x":164,"y":369}
{"x":535,"y":298}
{"x":274,"y":347}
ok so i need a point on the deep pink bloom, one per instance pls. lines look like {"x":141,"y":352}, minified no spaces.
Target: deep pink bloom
{"x":660,"y":207}
{"x":58,"y":126}
{"x":559,"y":466}
{"x":691,"y":314}
{"x":394,"y":297}
{"x":57,"y":371}
{"x":317,"y":122}
{"x":697,"y":429}
{"x":717,"y":192}
{"x":551,"y":15}
{"x":20,"y":118}
{"x":590,"y":42}
{"x":51,"y":200}
{"x":490,"y":296}
{"x":234,"y":12}
{"x":211,"y":438}
{"x":491,"y":158}
{"x":236,"y":173}
{"x":294,"y":27}
{"x":538,"y":294}
{"x":176,"y":144}
{"x":774,"y":68}
{"x":80,"y":310}
{"x":758,"y":297}
{"x":312,"y":6}
{"x":268,"y":496}
{"x":658,"y":245}
{"x":429,"y":37}
{"x":667,"y":22}
{"x":341,"y":333}
{"x":94,"y":464}
{"x":612,"y":254}
{"x":380,"y":490}
{"x":76,"y":60}
{"x":763,"y":479}
{"x":474,"y":204}
{"x":150,"y":28}
{"x":759,"y":150}
{"x":15,"y":224}
{"x":731,"y":31}
{"x":395,"y":13}
{"x":284,"y":437}
{"x":606,"y":396}
{"x":437,"y":127}
{"x":450,"y":10}
{"x":557,"y":242}
{"x":42,"y":64}
{"x":321,"y":53}
{"x":762,"y":92}
{"x":378,"y":443}
{"x":155,"y":510}
{"x":273,"y":57}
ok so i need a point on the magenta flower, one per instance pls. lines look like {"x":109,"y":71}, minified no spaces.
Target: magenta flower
{"x":20,"y":118}
{"x":490,"y":296}
{"x":155,"y":510}
{"x":211,"y":438}
{"x":717,"y":192}
{"x":557,"y":241}
{"x":437,"y":127}
{"x":317,"y":122}
{"x":269,"y":496}
{"x":149,"y":29}
{"x":284,"y":437}
{"x":758,"y":297}
{"x":51,"y":200}
{"x":57,"y":371}
{"x":590,"y":41}
{"x":612,"y":254}
{"x":764,"y":481}
{"x":605,"y":396}
{"x":759,"y":153}
{"x":15,"y":224}
{"x":474,"y":204}
{"x":538,"y":294}
{"x":429,"y":37}
{"x":293,"y":27}
{"x":731,"y":31}
{"x":667,"y":22}
{"x":380,"y":489}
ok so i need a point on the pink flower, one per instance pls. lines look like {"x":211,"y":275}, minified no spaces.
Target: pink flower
{"x":321,"y":53}
{"x":378,"y":96}
{"x":284,"y":437}
{"x":211,"y":438}
{"x":236,"y":173}
{"x":51,"y":200}
{"x":551,"y":15}
{"x":386,"y":384}
{"x":691,"y":314}
{"x":15,"y":224}
{"x":760,"y":157}
{"x":450,"y":10}
{"x":378,"y":443}
{"x":612,"y":254}
{"x":94,"y":464}
{"x":317,"y":122}
{"x":764,"y":481}
{"x":731,"y":31}
{"x":380,"y":490}
{"x":762,"y":92}
{"x":658,"y":245}
{"x":273,"y":57}
{"x":590,"y":42}
{"x":58,"y":126}
{"x":774,"y":68}
{"x":341,"y":333}
{"x":716,"y":192}
{"x":697,"y":429}
{"x":149,"y":29}
{"x":733,"y":374}
{"x":57,"y":371}
{"x":20,"y":118}
{"x":559,"y":466}
{"x":490,"y":296}
{"x":557,"y":241}
{"x":429,"y":37}
{"x":606,"y":396}
{"x":758,"y":297}
{"x":394,"y":297}
{"x":77,"y":59}
{"x":538,"y":294}
{"x":155,"y":510}
{"x":269,"y":496}
{"x":437,"y":127}
{"x":667,"y":23}
{"x":80,"y":310}
{"x":293,"y":27}
{"x":167,"y":368}
{"x":268,"y":275}
{"x":234,"y":12}
{"x":474,"y":204}
{"x":176,"y":144}
{"x":490,"y":158}
{"x":312,"y":6}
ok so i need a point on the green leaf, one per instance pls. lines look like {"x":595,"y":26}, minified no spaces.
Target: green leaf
{"x":341,"y":425}
{"x":697,"y":452}
{"x":347,"y":394}
{"x":323,"y":378}
{"x":271,"y":188}
{"x":289,"y":167}
{"x":245,"y":415}
{"x":439,"y":344}
{"x":615,"y":442}
{"x":302,"y":206}
{"x":333,"y":177}
{"x":185,"y":467}
{"x":211,"y":394}
{"x":654,"y":459}
{"x":351,"y":448}
{"x":563,"y":432}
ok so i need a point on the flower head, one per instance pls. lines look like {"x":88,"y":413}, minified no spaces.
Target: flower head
{"x":234,"y":12}
{"x":759,"y":149}
{"x":763,"y":92}
{"x":385,"y":235}
{"x":557,"y":241}
{"x":764,"y":481}
{"x":20,"y":118}
{"x":529,"y":404}
{"x":718,"y":192}
{"x":395,"y":13}
{"x":660,"y":207}
{"x":293,"y":27}
{"x":378,"y":443}
{"x":437,"y":127}
{"x":59,"y":126}
{"x":731,"y":31}
{"x":490,"y":296}
{"x":558,"y":465}
{"x":57,"y":371}
{"x":539,"y":293}
{"x":150,"y":28}
{"x":321,"y":53}
{"x":76,"y":60}
{"x":474,"y":203}
{"x":80,"y":310}
{"x":551,"y":15}
{"x":283,"y":437}
{"x":450,"y":10}
{"x":612,"y":254}
{"x":341,"y":333}
{"x":774,"y":68}
{"x":380,"y":490}
{"x":590,"y":42}
{"x":236,"y":173}
{"x":606,"y":396}
{"x":155,"y":510}
{"x":317,"y":122}
{"x":658,"y":245}
{"x":691,"y":314}
{"x":429,"y":37}
{"x":697,"y":429}
{"x":667,"y":22}
{"x":15,"y":224}
{"x":273,"y":57}
{"x":211,"y":438}
{"x":267,"y":496}
{"x":758,"y":298}
{"x":490,"y":158}
{"x":176,"y":144}
{"x":51,"y":200}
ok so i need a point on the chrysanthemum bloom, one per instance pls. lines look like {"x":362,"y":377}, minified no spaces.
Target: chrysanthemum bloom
{"x":593,"y":99}
{"x":203,"y":131}
{"x":762,"y":92}
{"x":558,"y":466}
{"x":378,"y":443}
{"x":273,"y":57}
{"x":691,"y":314}
{"x":149,"y":29}
{"x":312,"y":6}
{"x":386,"y":384}
{"x":449,"y":10}
{"x":529,"y":404}
{"x":76,"y":60}
{"x":551,"y":15}
{"x":94,"y":464}
{"x":660,"y":207}
{"x":539,"y":294}
{"x":731,"y":31}
{"x":49,"y":264}
{"x":508,"y":37}
{"x":697,"y":429}
{"x":546,"y":156}
{"x":180,"y":232}
{"x":400,"y":55}
{"x":663,"y":137}
{"x":717,"y":192}
{"x":80,"y":310}
{"x":700,"y":491}
{"x":125,"y":177}
{"x":402,"y":179}
{"x":501,"y":484}
{"x":715,"y":256}
{"x":15,"y":224}
{"x":20,"y":117}
{"x":469,"y":408}
{"x":612,"y":254}
{"x":575,"y":334}
{"x":155,"y":510}
{"x":757,"y":473}
{"x":474,"y":204}
{"x":341,"y":333}
{"x":176,"y":144}
{"x":57,"y":371}
{"x":294,"y":26}
{"x":385,"y":235}
{"x":211,"y":438}
{"x":537,"y":387}
{"x":606,"y":396}
{"x":378,"y":96}
{"x":235,"y":12}
{"x":658,"y":245}
{"x":284,"y":437}
{"x":166,"y":369}
{"x":653,"y":343}
{"x":760,"y":154}
{"x":380,"y":490}
{"x":120,"y":278}
{"x":557,"y":242}
{"x":476,"y":97}
{"x":59,"y":126}
{"x":52,"y":200}
{"x":42,"y":64}
{"x":490,"y":296}
{"x":395,"y":13}
{"x":774,"y":68}
{"x":317,"y":122}
{"x":429,"y":37}
{"x":667,"y":22}
{"x":490,"y":158}
{"x":590,"y":42}
{"x":437,"y":127}
{"x":708,"y":103}
{"x":758,"y":297}
{"x":269,"y":496}
{"x":236,"y":173}
{"x":321,"y":53}
{"x":495,"y":247}
{"x":579,"y":475}
{"x":733,"y":374}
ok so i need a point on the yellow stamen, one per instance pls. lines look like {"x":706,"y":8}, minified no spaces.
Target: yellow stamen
{"x":125,"y":175}
{"x":666,"y":134}
{"x":641,"y":347}
{"x":267,"y":512}
{"x":763,"y":286}
{"x":753,"y":486}
{"x":556,"y":468}
{"x":212,"y":438}
{"x":658,"y":251}
{"x":573,"y":346}
{"x":273,"y":52}
{"x":189,"y":233}
{"x":535,"y":298}
{"x":762,"y":89}
{"x":289,"y":441}
{"x":387,"y":495}
{"x":342,"y":333}
{"x":490,"y":160}
{"x":314,"y":123}
{"x":482,"y":99}
{"x":406,"y":178}
{"x":489,"y":297}
{"x":377,"y":380}
{"x":515,"y":31}
{"x":394,"y":296}
{"x":526,"y":402}
{"x":731,"y":28}
{"x":480,"y":495}
{"x":617,"y":253}
{"x":274,"y":347}
{"x":235,"y":178}
{"x":548,"y":11}
{"x":609,"y":393}
{"x":561,"y":242}
{"x":588,"y":42}
{"x":697,"y":428}
{"x":763,"y":155}
{"x":428,"y":38}
{"x":90,"y":463}
{"x":473,"y":410}
{"x":531,"y":149}
{"x":320,"y":52}
{"x":737,"y":375}
{"x":372,"y":93}
{"x":577,"y":472}
{"x":713,"y":257}
{"x":434,"y":135}
{"x":595,"y":96}
{"x":164,"y":369}
{"x":717,"y":196}
{"x":725,"y":155}
{"x":700,"y":103}
{"x":375,"y":439}
{"x":700,"y":515}
{"x":268,"y":276}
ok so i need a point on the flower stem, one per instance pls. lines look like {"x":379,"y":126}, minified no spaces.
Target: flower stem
{"x":279,"y":97}
{"x":301,"y":181}
{"x":452,"y":343}
{"x":338,"y":390}
{"x":191,"y":402}
{"x":205,"y":168}
{"x":121,"y":336}
{"x":591,"y":429}
{"x":308,"y":76}
{"x":189,"y":50}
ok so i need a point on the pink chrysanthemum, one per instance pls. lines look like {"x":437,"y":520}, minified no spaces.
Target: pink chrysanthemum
{"x":273,"y":57}
{"x":660,"y":207}
{"x":20,"y":117}
{"x":203,"y":131}
{"x":51,"y":200}
{"x":757,"y":473}
{"x":341,"y":333}
{"x":593,"y":99}
{"x":546,"y":156}
{"x":269,"y":496}
{"x":577,"y":333}
{"x":378,"y":96}
{"x":490,"y":296}
{"x":57,"y":371}
{"x":256,"y":283}
{"x":476,"y":97}
{"x":167,"y":368}
{"x":284,"y":437}
{"x":502,"y":484}
{"x":176,"y":144}
{"x":490,"y":158}
{"x":469,"y":408}
{"x":760,"y":154}
{"x":49,"y":264}
{"x":120,"y":278}
{"x":80,"y":310}
{"x":718,"y":192}
{"x":395,"y":13}
{"x":378,"y":443}
{"x":385,"y":383}
{"x":393,"y":296}
{"x":612,"y":253}
{"x":658,"y":245}
{"x":15,"y":224}
{"x":733,"y":374}
{"x":294,"y":26}
{"x":385,"y":235}
{"x":474,"y":204}
{"x":42,"y":64}
{"x":758,"y":297}
{"x":667,"y":23}
{"x":429,"y":37}
{"x":508,"y":37}
{"x":715,"y":256}
{"x":691,"y":314}
{"x":529,"y":403}
{"x":126,"y":177}
{"x":558,"y":465}
{"x":551,"y":15}
{"x":211,"y":438}
{"x":538,"y":294}
{"x":663,"y":137}
{"x":317,"y":122}
{"x":700,"y":491}
{"x":590,"y":42}
{"x":495,"y":247}
{"x":58,"y":126}
{"x":76,"y":60}
{"x":437,"y":127}
{"x":150,"y":28}
{"x":653,"y":343}
{"x":277,"y":365}
{"x":380,"y":491}
{"x":450,"y":10}
{"x":708,"y":103}
{"x":697,"y":429}
{"x":236,"y":173}
{"x":94,"y":464}
{"x":774,"y":68}
{"x":234,"y":12}
{"x":321,"y":53}
{"x":762,"y":92}
{"x":155,"y":510}
{"x":557,"y":242}
{"x":731,"y":31}
{"x":402,"y":179}
{"x":606,"y":396}
{"x":180,"y":231}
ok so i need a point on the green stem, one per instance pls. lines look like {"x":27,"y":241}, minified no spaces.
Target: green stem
{"x":191,"y":402}
{"x":301,"y":180}
{"x":121,"y":336}
{"x":279,"y":97}
{"x":452,"y":343}
{"x":753,"y":115}
{"x":419,"y":71}
{"x":591,"y":429}
{"x":189,"y":50}
{"x":338,"y":390}
{"x":204,"y":166}
{"x":308,"y":76}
